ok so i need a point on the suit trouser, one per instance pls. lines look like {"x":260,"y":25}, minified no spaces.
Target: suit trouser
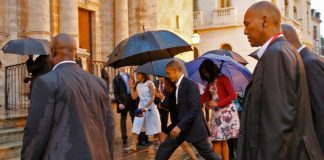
{"x":123,"y":118}
{"x":170,"y":145}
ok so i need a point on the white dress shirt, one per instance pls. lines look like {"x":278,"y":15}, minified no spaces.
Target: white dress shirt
{"x":301,"y":48}
{"x":63,"y":62}
{"x":177,"y":85}
{"x":265,"y":46}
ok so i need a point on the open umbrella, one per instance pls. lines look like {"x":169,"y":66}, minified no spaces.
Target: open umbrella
{"x":222,"y":52}
{"x":157,"y":68}
{"x":238,"y":74}
{"x":146,"y":47}
{"x":28,"y":46}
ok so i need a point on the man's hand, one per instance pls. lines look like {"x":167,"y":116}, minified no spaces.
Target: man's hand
{"x":175,"y":132}
{"x":121,"y":106}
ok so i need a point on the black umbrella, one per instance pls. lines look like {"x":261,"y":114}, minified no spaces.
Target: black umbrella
{"x":222,"y":52}
{"x":146,"y":47}
{"x":28,"y":46}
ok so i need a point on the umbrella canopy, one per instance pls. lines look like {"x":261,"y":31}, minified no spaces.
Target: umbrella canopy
{"x":237,"y":57}
{"x":157,"y":68}
{"x":28,"y":46}
{"x":146,"y":47}
{"x":238,"y":74}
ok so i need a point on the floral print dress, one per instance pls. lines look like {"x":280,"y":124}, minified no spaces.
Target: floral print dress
{"x":224,"y":122}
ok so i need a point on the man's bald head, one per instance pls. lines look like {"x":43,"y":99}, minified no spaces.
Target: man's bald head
{"x":64,"y":47}
{"x":291,"y":35}
{"x":262,"y":21}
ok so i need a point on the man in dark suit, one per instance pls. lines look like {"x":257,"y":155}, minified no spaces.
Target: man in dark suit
{"x":314,"y":67}
{"x":70,"y":115}
{"x":191,"y":125}
{"x":124,"y":101}
{"x":276,"y":120}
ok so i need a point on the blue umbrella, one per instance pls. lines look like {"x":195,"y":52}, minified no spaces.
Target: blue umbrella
{"x":236,"y":72}
{"x":157,"y":68}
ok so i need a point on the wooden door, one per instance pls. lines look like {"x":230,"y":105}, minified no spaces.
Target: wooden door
{"x":85,"y":31}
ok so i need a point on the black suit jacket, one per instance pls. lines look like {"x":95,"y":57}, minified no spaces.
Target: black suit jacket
{"x":314,"y":67}
{"x":70,"y":117}
{"x":121,"y":96}
{"x":276,"y":121}
{"x":190,"y":117}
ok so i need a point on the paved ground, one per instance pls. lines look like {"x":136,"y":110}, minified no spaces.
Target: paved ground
{"x":143,"y":153}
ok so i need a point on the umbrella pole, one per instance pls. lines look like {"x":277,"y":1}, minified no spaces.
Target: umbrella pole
{"x":154,"y":78}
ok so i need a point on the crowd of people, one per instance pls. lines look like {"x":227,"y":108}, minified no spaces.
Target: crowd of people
{"x":71,"y":115}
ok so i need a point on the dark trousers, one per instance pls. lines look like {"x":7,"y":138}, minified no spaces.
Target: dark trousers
{"x":123,"y":127}
{"x":164,"y":119}
{"x":232,"y":144}
{"x":170,"y":145}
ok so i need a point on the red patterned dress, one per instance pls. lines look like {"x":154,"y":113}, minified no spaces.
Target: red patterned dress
{"x":224,"y":121}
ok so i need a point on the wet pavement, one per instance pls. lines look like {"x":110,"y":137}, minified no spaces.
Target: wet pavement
{"x":144,"y":153}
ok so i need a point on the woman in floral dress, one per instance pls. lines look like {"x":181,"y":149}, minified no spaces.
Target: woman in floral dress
{"x":218,"y":96}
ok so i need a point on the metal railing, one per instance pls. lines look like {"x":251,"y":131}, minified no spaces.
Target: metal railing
{"x":197,"y":18}
{"x":98,"y":67}
{"x":16,"y":91}
{"x":224,"y":16}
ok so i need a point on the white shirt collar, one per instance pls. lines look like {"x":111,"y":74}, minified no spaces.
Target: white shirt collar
{"x":265,"y":46}
{"x":179,"y":81}
{"x":62,"y":63}
{"x":301,"y":48}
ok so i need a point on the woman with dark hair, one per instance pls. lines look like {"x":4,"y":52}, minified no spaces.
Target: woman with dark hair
{"x":147,"y":113}
{"x":218,"y":96}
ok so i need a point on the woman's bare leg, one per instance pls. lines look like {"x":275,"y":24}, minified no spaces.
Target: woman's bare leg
{"x":186,"y":147}
{"x":225,"y":150}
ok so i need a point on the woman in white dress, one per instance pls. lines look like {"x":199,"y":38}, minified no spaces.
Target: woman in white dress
{"x":144,"y":90}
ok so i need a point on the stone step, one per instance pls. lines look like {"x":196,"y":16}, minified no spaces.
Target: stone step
{"x":13,"y":119}
{"x":18,"y":122}
{"x":10,"y":150}
{"x":11,"y":135}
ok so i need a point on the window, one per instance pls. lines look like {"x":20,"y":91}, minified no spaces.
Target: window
{"x":177,"y":22}
{"x":286,"y":8}
{"x":315,"y":32}
{"x":225,"y":3}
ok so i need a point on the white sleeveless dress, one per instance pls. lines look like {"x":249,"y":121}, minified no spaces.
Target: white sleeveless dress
{"x":151,"y":119}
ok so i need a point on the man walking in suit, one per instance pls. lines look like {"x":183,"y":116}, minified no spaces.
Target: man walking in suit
{"x":276,"y":120}
{"x":70,"y":115}
{"x":124,"y":101}
{"x":314,"y":67}
{"x":191,"y":125}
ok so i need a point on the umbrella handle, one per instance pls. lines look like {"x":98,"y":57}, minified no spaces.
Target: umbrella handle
{"x":221,"y":66}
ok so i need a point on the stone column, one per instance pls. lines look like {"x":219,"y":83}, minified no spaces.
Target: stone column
{"x":107,"y":27}
{"x":3,"y":27}
{"x":68,"y":18}
{"x":133,"y":16}
{"x":38,"y":24}
{"x":121,"y":21}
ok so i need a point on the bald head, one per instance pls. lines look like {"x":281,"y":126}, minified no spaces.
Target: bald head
{"x":64,"y":47}
{"x":291,"y":35}
{"x":262,"y":21}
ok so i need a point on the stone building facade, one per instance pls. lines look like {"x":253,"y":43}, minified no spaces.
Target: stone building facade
{"x":221,"y":21}
{"x":97,"y":25}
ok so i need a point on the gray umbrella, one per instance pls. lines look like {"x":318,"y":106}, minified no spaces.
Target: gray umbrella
{"x":146,"y":47}
{"x":28,"y":46}
{"x":157,"y":68}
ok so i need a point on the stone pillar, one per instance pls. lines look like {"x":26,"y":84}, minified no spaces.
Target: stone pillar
{"x":121,"y":20}
{"x":38,"y":24}
{"x":3,"y":27}
{"x":107,"y":27}
{"x":68,"y":18}
{"x":133,"y":16}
